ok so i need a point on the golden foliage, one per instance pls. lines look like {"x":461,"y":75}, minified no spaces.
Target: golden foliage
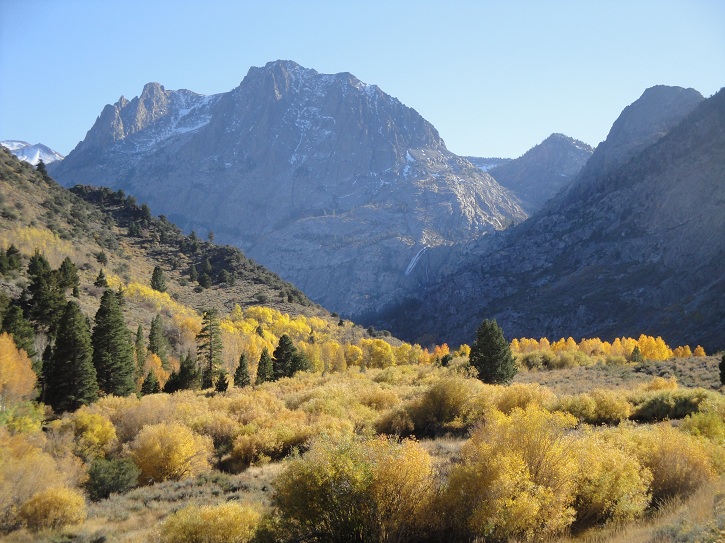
{"x":225,"y":523}
{"x":53,"y":508}
{"x":17,"y":378}
{"x":28,"y":239}
{"x":94,"y":433}
{"x":517,"y":477}
{"x":170,"y":451}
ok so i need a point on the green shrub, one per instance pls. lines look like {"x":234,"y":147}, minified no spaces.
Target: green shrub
{"x":666,"y":404}
{"x":106,"y":477}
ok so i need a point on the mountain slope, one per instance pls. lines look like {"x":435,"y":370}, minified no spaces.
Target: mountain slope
{"x":636,"y":244}
{"x":330,"y":182}
{"x":541,"y":172}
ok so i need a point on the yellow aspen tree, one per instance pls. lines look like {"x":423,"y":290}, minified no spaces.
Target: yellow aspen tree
{"x":17,"y":378}
{"x":699,"y":351}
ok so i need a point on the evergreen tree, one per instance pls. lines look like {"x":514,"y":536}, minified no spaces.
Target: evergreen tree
{"x":158,"y":281}
{"x":46,"y":298}
{"x":150,"y":384}
{"x":15,"y":324}
{"x":636,"y":355}
{"x":205,"y":281}
{"x":139,"y":351}
{"x":70,"y":378}
{"x":187,"y":378}
{"x":300,"y":362}
{"x":241,"y":375}
{"x":206,"y":267}
{"x":283,"y":357}
{"x":265,"y":370}
{"x":112,"y":349}
{"x":158,"y":344}
{"x":491,"y":354}
{"x":68,"y":275}
{"x":222,"y":382}
{"x":42,"y":170}
{"x":101,"y":280}
{"x":721,"y":367}
{"x":209,"y":348}
{"x":193,"y":274}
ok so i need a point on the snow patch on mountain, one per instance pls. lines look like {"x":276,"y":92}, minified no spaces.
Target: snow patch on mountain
{"x":31,"y":153}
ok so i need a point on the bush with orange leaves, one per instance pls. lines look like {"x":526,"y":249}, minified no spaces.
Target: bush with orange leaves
{"x":170,"y":451}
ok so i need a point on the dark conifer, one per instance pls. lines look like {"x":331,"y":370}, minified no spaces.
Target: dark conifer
{"x":241,"y":375}
{"x":70,"y":378}
{"x":158,"y":281}
{"x":139,"y":351}
{"x":193,"y":274}
{"x":150,"y":384}
{"x":491,"y":354}
{"x":68,"y":275}
{"x":158,"y":344}
{"x":209,"y":348}
{"x":222,"y":381}
{"x":265,"y":370}
{"x":15,"y":324}
{"x":112,"y":349}
{"x":101,"y":280}
{"x":283,"y":358}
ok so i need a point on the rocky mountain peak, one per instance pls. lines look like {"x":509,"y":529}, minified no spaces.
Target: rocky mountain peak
{"x":645,"y":121}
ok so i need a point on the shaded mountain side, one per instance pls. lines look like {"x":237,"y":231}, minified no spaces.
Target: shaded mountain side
{"x":541,"y":172}
{"x":85,"y":223}
{"x":328,"y":181}
{"x":635,"y":245}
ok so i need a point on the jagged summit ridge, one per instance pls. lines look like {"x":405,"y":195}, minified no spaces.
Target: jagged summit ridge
{"x":325,"y":179}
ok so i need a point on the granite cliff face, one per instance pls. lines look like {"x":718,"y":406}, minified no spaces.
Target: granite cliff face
{"x":326,"y":180}
{"x":541,"y":172}
{"x":636,"y":244}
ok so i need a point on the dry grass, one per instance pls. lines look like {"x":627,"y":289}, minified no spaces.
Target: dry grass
{"x":699,"y":519}
{"x":689,"y":372}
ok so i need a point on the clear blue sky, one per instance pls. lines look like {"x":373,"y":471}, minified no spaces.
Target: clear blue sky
{"x":495,"y":77}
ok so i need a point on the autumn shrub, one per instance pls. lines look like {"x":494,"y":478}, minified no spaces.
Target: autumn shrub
{"x":395,"y":422}
{"x":611,"y":484}
{"x":17,"y":378}
{"x":660,"y":383}
{"x":536,"y":360}
{"x":662,"y":404}
{"x":355,"y":490}
{"x":445,"y":407}
{"x":615,"y":360}
{"x":599,"y":406}
{"x":170,"y":451}
{"x":95,"y":435}
{"x":225,"y":523}
{"x":53,"y":508}
{"x":709,"y":422}
{"x":25,"y":470}
{"x":679,"y":462}
{"x":106,"y":477}
{"x":516,"y":478}
{"x":519,"y":395}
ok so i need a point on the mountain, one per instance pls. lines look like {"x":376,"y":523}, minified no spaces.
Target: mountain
{"x":486,"y":163}
{"x":636,"y":243}
{"x":330,"y":182}
{"x":541,"y":172}
{"x":32,"y":153}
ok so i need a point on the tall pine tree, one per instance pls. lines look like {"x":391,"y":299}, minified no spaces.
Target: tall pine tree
{"x":283,"y":357}
{"x":158,"y":344}
{"x":112,"y":350}
{"x":241,"y":374}
{"x":69,"y":375}
{"x":139,"y":352}
{"x":265,"y":370}
{"x":491,"y":354}
{"x":14,"y":323}
{"x":187,"y":378}
{"x":209,"y":348}
{"x":158,"y":281}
